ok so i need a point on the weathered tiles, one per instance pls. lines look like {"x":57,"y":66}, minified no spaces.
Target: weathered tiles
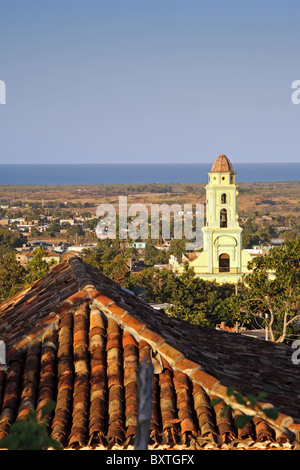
{"x":65,"y":371}
{"x":184,"y":402}
{"x":168,"y":406}
{"x":262,"y":429}
{"x":204,"y":412}
{"x":116,"y":426}
{"x":11,"y":394}
{"x":130,"y":364}
{"x":47,"y":383}
{"x":145,"y":352}
{"x":81,"y":394}
{"x":224,"y":422}
{"x":98,"y":379}
{"x":30,"y":380}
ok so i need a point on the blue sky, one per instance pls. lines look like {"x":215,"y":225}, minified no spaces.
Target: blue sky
{"x":149,"y":81}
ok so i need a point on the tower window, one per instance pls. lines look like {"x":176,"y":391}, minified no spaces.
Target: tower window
{"x":223,"y":218}
{"x":223,"y":198}
{"x":224,"y":263}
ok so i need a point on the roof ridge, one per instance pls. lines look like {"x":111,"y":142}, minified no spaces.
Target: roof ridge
{"x":78,"y":267}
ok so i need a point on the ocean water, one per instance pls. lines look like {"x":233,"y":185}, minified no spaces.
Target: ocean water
{"x":61,"y":174}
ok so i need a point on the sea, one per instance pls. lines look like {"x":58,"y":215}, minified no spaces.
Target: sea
{"x":94,"y":174}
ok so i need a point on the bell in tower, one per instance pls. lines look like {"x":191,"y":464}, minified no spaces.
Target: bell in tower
{"x":223,"y":218}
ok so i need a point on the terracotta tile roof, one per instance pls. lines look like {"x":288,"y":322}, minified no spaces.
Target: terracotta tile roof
{"x":77,"y":338}
{"x":222,"y":165}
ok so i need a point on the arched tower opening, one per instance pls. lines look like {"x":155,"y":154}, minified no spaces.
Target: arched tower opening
{"x":224,"y":263}
{"x":224,"y":198}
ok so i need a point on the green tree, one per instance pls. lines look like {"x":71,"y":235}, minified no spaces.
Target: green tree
{"x":12,"y":275}
{"x":274,"y":289}
{"x":111,"y":258}
{"x":105,"y":251}
{"x":53,"y":229}
{"x":249,"y":402}
{"x":30,"y":434}
{"x":38,"y":267}
{"x":155,"y":256}
{"x":230,"y":310}
{"x":117,"y":269}
{"x":74,"y":230}
{"x":250,"y":236}
{"x":178,"y":247}
{"x":34,"y":232}
{"x":194,"y":299}
{"x":10,"y":239}
{"x":153,"y":280}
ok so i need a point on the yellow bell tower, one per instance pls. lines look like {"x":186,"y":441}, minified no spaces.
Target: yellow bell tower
{"x":222,"y":234}
{"x":222,"y":258}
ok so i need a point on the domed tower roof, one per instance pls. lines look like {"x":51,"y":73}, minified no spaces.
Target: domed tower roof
{"x":222,"y":165}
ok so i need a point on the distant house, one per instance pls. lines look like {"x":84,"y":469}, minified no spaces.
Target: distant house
{"x":277,"y":241}
{"x":164,"y":246}
{"x":25,"y":228}
{"x":137,"y":245}
{"x":67,"y":221}
{"x":162,"y":266}
{"x":52,"y":256}
{"x":42,"y":228}
{"x":4,"y":221}
{"x":25,"y":256}
{"x":17,"y":221}
{"x":81,"y":247}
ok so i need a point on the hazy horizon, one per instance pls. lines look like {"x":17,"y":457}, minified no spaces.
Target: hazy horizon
{"x":143,"y":173}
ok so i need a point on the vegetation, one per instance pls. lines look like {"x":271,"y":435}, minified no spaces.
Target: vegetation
{"x":13,"y":276}
{"x":250,"y":401}
{"x":273,"y":290}
{"x":30,"y":434}
{"x":154,"y":256}
{"x":38,"y":266}
{"x":111,"y":257}
{"x":10,"y":240}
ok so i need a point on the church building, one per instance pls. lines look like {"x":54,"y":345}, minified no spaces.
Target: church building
{"x":222,"y":258}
